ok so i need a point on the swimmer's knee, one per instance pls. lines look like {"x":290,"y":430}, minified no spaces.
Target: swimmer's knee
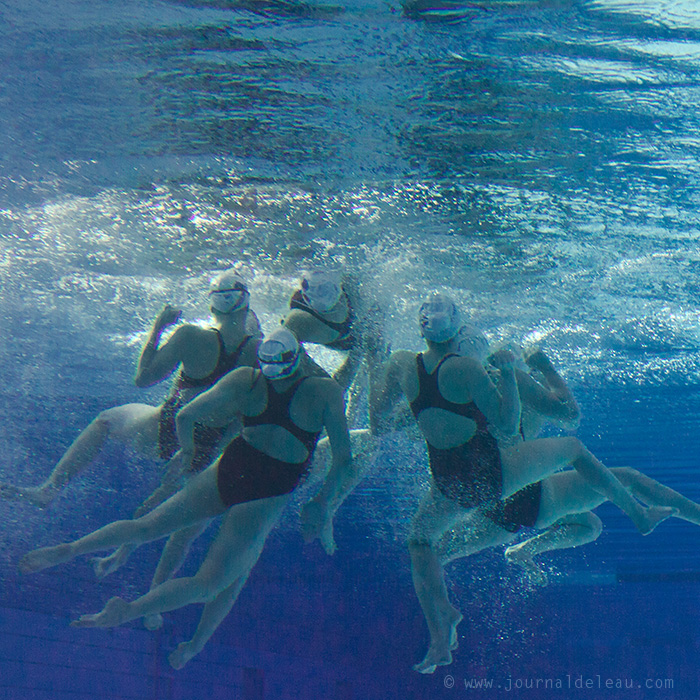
{"x":113,"y":422}
{"x":596,"y":525}
{"x":138,"y":530}
{"x":206,"y":589}
{"x":593,"y":523}
{"x":575,"y":446}
{"x":417,"y":544}
{"x":104,"y":421}
{"x":588,"y":523}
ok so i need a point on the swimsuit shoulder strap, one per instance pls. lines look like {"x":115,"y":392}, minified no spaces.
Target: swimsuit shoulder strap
{"x":429,"y":395}
{"x":277,"y":413}
{"x":340,"y":327}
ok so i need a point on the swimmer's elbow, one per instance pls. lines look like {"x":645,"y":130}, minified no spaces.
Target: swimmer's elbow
{"x":144,"y":380}
{"x":509,"y":424}
{"x":512,"y":429}
{"x":355,"y":469}
{"x":571,"y":415}
{"x":141,"y":382}
{"x":574,"y":420}
{"x":572,"y":423}
{"x":347,"y":470}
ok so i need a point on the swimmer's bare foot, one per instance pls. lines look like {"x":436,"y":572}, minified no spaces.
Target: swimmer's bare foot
{"x":36,"y":495}
{"x":153,"y":622}
{"x":44,"y":558}
{"x":114,"y":613}
{"x":453,"y":618}
{"x":652,"y":516}
{"x":103,"y":566}
{"x":182,"y":654}
{"x":436,"y":656}
{"x":440,"y":651}
{"x":515,"y":554}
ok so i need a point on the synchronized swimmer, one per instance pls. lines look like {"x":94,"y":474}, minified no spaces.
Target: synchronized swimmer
{"x":255,"y":410}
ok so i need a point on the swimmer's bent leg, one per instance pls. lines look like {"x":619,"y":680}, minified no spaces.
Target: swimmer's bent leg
{"x":199,"y":500}
{"x":133,"y":424}
{"x":471,"y":535}
{"x":533,"y":460}
{"x":570,"y":531}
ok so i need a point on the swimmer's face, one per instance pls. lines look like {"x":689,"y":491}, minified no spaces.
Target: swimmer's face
{"x":226,"y":301}
{"x":321,"y":292}
{"x":438,"y":319}
{"x":279,"y":355}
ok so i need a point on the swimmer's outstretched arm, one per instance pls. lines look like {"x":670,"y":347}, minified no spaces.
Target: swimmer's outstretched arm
{"x":317,"y":514}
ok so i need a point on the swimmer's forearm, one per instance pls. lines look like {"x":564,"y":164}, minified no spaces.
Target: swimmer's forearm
{"x":347,"y":371}
{"x":148,"y":353}
{"x":184,"y":427}
{"x":510,"y":402}
{"x":557,"y":384}
{"x":341,"y":480}
{"x":569,"y":408}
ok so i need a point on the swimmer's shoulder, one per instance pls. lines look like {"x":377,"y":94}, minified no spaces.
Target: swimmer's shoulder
{"x":463,"y":371}
{"x":401,"y":364}
{"x":301,"y":323}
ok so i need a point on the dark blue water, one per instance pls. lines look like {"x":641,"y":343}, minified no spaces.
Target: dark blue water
{"x":538,"y":160}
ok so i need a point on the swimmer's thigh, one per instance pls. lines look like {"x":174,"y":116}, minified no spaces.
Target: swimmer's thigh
{"x":435,"y":515}
{"x":135,"y":425}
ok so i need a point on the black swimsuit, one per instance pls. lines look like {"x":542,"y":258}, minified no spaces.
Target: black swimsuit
{"x":206,"y":439}
{"x":345,"y":339}
{"x":469,"y":473}
{"x":248,"y":474}
{"x":519,"y":510}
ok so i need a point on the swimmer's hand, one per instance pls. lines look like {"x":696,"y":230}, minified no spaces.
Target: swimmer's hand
{"x":502,"y":359}
{"x":174,"y":479}
{"x":167,"y":317}
{"x":536,"y":359}
{"x":177,"y":466}
{"x":316,"y":524}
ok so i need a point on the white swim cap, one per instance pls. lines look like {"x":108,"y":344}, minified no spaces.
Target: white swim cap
{"x":321,"y":289}
{"x":228,"y":293}
{"x":438,"y":318}
{"x":471,"y":342}
{"x":279,"y":354}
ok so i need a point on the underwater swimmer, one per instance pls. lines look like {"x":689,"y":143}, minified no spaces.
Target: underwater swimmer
{"x":562,"y":503}
{"x":455,"y":404}
{"x":328,"y":309}
{"x":203,"y":356}
{"x":283,"y":410}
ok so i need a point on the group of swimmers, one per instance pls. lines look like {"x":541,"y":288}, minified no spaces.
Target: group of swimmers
{"x":245,"y":413}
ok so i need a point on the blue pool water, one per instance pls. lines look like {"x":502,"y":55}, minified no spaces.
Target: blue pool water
{"x":537,"y":159}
